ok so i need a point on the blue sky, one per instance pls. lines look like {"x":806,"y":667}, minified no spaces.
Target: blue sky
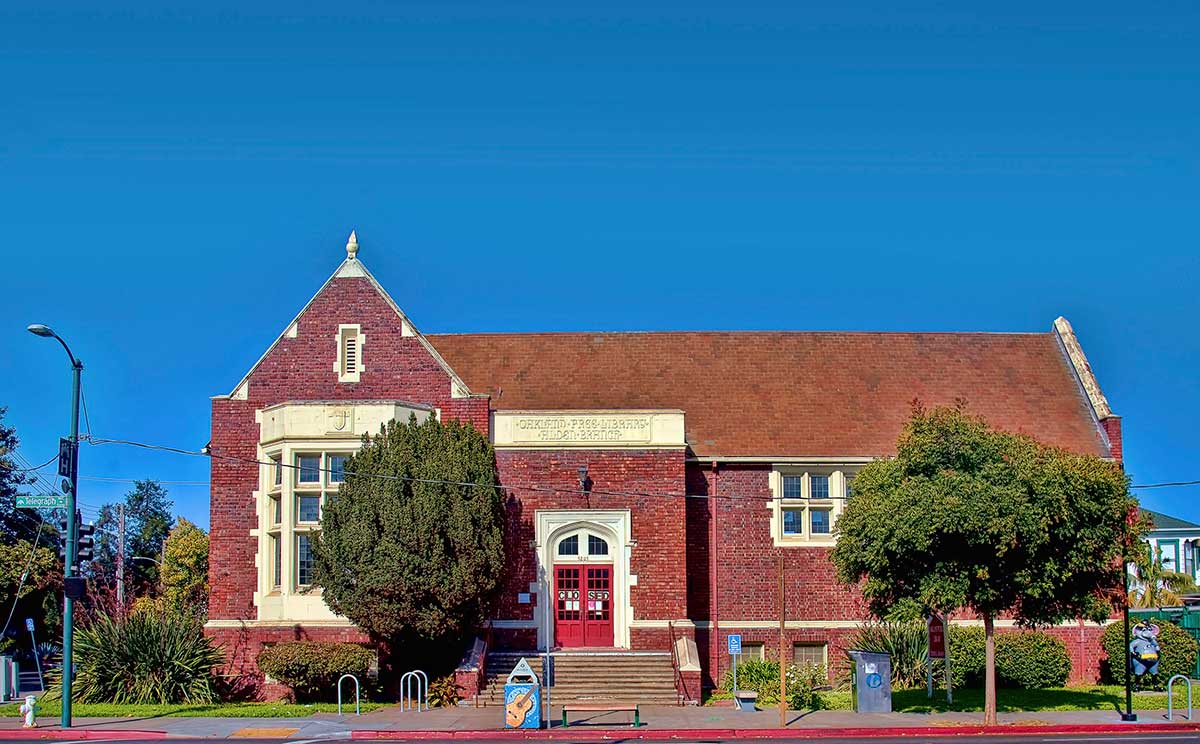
{"x":176,"y":183}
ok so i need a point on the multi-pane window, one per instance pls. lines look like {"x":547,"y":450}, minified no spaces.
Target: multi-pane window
{"x":793,"y":521}
{"x":1189,"y":558}
{"x":569,"y":545}
{"x":309,"y":469}
{"x":277,"y":567}
{"x":308,"y":508}
{"x":304,"y":560}
{"x":337,"y":468}
{"x":809,"y":654}
{"x":849,"y":491}
{"x":806,"y":505}
{"x":755,"y":651}
{"x":597,"y":545}
{"x":820,"y":521}
{"x":277,"y":469}
{"x":292,"y":514}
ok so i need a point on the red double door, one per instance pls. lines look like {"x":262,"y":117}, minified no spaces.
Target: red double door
{"x":583,"y":597}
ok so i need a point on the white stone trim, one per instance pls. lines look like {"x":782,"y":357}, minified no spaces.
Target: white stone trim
{"x":588,"y":429}
{"x":616,"y":525}
{"x":344,"y":333}
{"x":835,"y":504}
{"x":1083,"y":370}
{"x":842,"y":624}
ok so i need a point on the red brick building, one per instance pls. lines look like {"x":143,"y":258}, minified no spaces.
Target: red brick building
{"x":705,"y":457}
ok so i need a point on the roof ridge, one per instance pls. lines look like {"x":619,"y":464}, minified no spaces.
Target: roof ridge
{"x":790,"y":332}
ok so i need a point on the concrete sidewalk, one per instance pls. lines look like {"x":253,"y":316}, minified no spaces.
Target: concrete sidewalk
{"x":657,"y":723}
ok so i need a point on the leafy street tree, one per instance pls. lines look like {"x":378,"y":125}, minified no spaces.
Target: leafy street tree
{"x":414,"y":556}
{"x":35,"y":596}
{"x":1156,"y":585}
{"x":15,"y":524}
{"x":968,"y":517}
{"x":185,"y":570}
{"x":148,"y":520}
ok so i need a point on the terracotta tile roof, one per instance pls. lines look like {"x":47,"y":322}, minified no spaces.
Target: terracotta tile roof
{"x":785,"y":394}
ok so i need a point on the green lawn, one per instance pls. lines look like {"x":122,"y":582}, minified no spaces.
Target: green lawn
{"x":971,"y":700}
{"x":224,"y":710}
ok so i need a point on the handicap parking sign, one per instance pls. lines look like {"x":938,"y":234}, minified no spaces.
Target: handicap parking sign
{"x":735,"y":644}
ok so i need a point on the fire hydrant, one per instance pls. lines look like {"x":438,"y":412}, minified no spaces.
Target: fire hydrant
{"x":29,"y":709}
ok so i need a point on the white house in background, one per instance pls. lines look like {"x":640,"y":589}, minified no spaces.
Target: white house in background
{"x":1176,"y":542}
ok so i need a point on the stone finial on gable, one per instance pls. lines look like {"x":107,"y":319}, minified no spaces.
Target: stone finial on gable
{"x":352,"y":246}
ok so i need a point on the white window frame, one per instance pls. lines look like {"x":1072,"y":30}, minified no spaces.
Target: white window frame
{"x":805,"y":504}
{"x":347,"y":331}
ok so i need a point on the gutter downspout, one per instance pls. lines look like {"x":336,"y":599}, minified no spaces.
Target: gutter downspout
{"x":713,"y":639}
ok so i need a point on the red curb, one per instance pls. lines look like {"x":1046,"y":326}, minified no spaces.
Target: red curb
{"x":75,"y":734}
{"x":584,"y":732}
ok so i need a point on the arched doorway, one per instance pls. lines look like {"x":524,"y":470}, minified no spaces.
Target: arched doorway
{"x":583,"y":559}
{"x":582,"y":589}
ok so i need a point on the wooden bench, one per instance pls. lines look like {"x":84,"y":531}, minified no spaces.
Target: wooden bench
{"x":602,"y":708}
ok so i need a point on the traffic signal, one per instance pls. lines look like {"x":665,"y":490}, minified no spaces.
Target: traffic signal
{"x":62,"y":542}
{"x":87,"y":543}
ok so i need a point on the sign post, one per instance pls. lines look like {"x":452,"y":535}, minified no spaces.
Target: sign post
{"x":935,"y":626}
{"x":735,"y":649}
{"x":36,"y":656}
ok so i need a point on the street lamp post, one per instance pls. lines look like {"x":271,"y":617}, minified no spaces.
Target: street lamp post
{"x":72,"y":524}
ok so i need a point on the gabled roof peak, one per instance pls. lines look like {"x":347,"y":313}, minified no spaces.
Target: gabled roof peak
{"x":352,"y":247}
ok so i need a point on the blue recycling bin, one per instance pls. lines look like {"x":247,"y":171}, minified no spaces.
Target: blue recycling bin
{"x":522,"y":698}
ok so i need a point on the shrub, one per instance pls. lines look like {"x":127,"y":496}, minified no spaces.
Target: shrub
{"x":968,"y":655}
{"x":144,"y":659}
{"x":1177,"y":655}
{"x":443,"y":692}
{"x":763,"y":677}
{"x":905,"y":642}
{"x":311,"y":668}
{"x":1031,"y":660}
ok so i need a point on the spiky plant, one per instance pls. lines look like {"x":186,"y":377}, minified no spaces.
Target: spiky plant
{"x":145,"y":658}
{"x":905,"y":642}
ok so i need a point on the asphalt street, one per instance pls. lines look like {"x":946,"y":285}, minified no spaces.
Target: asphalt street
{"x":1131,"y":738}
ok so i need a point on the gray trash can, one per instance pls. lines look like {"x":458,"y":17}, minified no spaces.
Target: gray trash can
{"x":870,"y":682}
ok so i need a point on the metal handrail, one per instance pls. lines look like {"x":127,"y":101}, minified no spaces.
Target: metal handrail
{"x":1171,"y":697}
{"x":357,"y":699}
{"x":407,"y":681}
{"x":482,"y":677}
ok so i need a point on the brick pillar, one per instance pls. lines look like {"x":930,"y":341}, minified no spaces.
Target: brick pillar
{"x":1112,"y":427}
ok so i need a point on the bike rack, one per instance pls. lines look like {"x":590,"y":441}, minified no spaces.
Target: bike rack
{"x":357,"y":704}
{"x":1171,"y":699}
{"x":421,"y":681}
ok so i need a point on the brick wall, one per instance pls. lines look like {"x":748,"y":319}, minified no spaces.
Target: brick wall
{"x":396,"y":367}
{"x":657,"y":522}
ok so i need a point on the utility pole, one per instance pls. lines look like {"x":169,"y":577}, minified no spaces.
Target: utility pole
{"x":121,"y":557}
{"x":782,"y":653}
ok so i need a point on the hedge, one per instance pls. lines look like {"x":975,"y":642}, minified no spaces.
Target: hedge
{"x":312,"y":668}
{"x":1031,"y":660}
{"x":1027,"y":659}
{"x":1177,"y":655}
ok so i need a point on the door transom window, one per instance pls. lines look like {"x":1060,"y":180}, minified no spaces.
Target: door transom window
{"x":582,"y":545}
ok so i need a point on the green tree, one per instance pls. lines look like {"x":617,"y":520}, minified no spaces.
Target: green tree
{"x":185,"y":570}
{"x":1157,"y":586}
{"x":15,"y":524}
{"x":29,"y":580}
{"x":148,"y":521}
{"x":414,"y":555}
{"x":968,"y":517}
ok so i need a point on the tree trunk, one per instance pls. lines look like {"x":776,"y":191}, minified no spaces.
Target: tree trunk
{"x":989,"y":673}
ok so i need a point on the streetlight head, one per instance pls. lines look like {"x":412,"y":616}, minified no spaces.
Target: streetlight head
{"x":38,"y":329}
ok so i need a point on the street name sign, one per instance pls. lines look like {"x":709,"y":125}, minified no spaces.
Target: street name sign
{"x":40,"y":501}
